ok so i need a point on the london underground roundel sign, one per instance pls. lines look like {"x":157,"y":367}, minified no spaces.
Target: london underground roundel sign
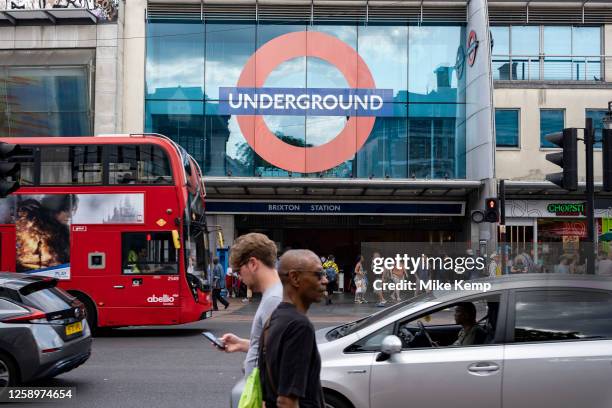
{"x":249,"y":101}
{"x":472,"y":47}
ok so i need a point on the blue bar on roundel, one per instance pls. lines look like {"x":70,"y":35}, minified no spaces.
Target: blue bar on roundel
{"x":306,"y":102}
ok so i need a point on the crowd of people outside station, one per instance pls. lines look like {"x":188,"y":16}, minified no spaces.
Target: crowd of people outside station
{"x":568,"y":262}
{"x":359,"y":282}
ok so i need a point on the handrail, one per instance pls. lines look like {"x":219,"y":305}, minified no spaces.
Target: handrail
{"x":549,"y":67}
{"x":550,"y":55}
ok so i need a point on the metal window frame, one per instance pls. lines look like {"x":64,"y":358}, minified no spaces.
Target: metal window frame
{"x":518,"y":140}
{"x":564,"y":110}
{"x":542,"y":55}
{"x":81,"y":60}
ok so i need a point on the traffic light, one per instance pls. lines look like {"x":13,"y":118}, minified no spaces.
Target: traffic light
{"x":606,"y":153}
{"x":567,"y":159}
{"x":9,"y":171}
{"x":491,"y":210}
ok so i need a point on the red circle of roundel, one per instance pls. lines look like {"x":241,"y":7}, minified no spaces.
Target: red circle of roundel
{"x":305,"y":159}
{"x":470,"y":44}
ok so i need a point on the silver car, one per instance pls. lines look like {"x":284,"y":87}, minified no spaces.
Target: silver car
{"x":545,"y":342}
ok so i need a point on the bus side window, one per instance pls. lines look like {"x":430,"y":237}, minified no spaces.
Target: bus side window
{"x":149,"y":253}
{"x":26,"y":173}
{"x":68,"y":165}
{"x":139,"y":164}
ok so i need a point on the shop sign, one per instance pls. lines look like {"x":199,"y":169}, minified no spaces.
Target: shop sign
{"x":553,"y":209}
{"x":360,"y":103}
{"x":566,"y":209}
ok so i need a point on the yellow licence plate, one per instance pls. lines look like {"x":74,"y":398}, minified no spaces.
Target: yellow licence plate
{"x":74,"y":328}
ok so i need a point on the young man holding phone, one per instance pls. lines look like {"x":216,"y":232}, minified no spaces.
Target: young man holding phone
{"x":253,"y":257}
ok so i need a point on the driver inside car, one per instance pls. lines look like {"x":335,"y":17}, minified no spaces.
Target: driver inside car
{"x":471,"y":333}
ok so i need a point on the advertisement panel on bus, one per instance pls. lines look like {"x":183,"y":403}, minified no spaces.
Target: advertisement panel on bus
{"x":43,"y":224}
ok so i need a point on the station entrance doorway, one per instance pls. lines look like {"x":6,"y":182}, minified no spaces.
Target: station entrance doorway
{"x":343,"y":235}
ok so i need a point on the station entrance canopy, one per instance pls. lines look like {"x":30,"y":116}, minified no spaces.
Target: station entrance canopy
{"x":339,"y":189}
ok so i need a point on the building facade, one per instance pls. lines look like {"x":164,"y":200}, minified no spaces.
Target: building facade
{"x":61,"y":71}
{"x":330,"y":176}
{"x":329,"y":124}
{"x":552,"y":69}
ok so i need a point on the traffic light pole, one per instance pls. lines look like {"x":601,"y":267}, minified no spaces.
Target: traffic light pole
{"x":502,"y":224}
{"x":589,"y":142}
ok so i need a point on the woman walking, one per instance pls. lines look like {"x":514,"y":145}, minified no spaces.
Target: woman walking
{"x":379,"y":292}
{"x":359,"y":278}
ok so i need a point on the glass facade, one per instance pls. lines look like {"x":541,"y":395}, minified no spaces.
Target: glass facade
{"x":597,"y":115}
{"x":44,"y":101}
{"x":507,"y":127}
{"x":424,"y":137}
{"x":551,"y":53}
{"x":551,"y":121}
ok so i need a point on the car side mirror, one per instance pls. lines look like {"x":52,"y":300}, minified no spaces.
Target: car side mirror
{"x":390,"y":345}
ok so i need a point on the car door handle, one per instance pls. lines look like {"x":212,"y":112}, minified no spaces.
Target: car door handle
{"x":356,"y":372}
{"x":483,"y":368}
{"x":118,"y":286}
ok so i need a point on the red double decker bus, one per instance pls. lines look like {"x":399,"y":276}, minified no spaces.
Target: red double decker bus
{"x":119,"y":220}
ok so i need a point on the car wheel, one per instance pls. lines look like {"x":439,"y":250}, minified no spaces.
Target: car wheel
{"x":8,"y":372}
{"x":333,"y":400}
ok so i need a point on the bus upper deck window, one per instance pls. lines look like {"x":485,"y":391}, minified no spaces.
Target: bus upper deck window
{"x":69,"y":165}
{"x":139,"y":164}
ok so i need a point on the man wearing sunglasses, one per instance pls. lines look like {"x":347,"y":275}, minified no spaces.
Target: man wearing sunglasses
{"x":253,"y":256}
{"x":289,"y":361}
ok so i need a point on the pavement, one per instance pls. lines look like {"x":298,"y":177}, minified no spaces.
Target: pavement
{"x":342,"y":309}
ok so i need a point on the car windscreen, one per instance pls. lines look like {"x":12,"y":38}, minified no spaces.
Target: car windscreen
{"x":47,"y":300}
{"x":352,"y":327}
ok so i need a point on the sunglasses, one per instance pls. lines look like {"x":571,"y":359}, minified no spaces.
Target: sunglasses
{"x":320,"y":274}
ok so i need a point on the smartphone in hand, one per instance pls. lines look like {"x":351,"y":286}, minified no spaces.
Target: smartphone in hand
{"x":214,"y":340}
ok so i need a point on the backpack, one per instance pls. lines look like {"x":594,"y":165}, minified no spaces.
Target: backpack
{"x":331,"y":274}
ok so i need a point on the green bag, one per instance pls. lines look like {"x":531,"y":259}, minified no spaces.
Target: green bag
{"x":251,"y":394}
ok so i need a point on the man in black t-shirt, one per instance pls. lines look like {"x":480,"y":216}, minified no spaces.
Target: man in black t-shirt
{"x":289,"y":361}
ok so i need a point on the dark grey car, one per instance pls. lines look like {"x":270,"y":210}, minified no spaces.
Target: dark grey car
{"x":43,"y":330}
